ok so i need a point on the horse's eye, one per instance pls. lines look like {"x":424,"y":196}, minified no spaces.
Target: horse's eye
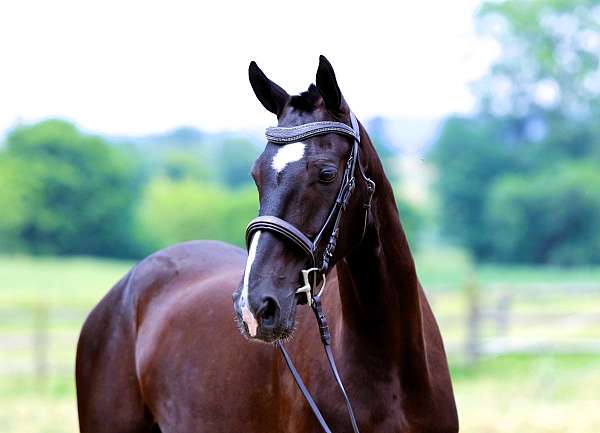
{"x":327,"y":175}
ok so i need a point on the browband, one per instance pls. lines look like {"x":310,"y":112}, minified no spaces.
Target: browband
{"x":291,"y":134}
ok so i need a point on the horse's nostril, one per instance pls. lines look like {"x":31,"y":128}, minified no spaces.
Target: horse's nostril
{"x":268,"y":311}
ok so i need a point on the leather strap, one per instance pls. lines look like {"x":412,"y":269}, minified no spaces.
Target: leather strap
{"x":278,"y":225}
{"x":303,"y":389}
{"x":326,"y":340}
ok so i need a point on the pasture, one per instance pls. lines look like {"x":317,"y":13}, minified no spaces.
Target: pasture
{"x":534,"y":391}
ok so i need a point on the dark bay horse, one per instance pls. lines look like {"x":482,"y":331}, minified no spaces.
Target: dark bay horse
{"x":163,"y":352}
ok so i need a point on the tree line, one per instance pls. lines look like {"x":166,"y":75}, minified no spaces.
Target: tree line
{"x":519,"y":181}
{"x":69,"y":193}
{"x":65,"y":192}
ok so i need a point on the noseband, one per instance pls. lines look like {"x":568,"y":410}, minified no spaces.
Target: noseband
{"x":320,"y":265}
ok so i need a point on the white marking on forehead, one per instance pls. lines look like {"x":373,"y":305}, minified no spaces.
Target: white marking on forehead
{"x":247,"y":315}
{"x":286,"y":154}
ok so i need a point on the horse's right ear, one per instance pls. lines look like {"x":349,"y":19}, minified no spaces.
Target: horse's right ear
{"x":328,"y":86}
{"x":268,"y":93}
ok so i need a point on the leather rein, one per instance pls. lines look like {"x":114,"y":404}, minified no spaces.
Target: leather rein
{"x":282,"y":136}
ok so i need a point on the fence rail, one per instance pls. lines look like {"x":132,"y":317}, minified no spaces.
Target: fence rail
{"x":40,"y":340}
{"x":496,"y":323}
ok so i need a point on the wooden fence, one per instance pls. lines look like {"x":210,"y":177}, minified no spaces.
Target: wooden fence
{"x":39,"y":341}
{"x":533,"y":318}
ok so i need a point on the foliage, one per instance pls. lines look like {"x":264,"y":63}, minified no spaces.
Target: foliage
{"x":67,"y":192}
{"x":14,"y":200}
{"x":550,"y":217}
{"x":180,"y":165}
{"x":412,"y":217}
{"x":549,"y":58}
{"x":515,"y":180}
{"x":173,"y":212}
{"x":387,"y":156}
{"x":235,"y":158}
{"x":470,"y":155}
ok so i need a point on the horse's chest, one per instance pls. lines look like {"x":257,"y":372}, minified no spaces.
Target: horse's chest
{"x":377,"y":409}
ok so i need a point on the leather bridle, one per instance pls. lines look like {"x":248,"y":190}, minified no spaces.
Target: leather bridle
{"x":282,"y":136}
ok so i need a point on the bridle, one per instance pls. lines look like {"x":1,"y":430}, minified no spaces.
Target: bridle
{"x":286,"y":135}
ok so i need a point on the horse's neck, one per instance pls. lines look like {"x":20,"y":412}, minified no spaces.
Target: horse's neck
{"x":379,"y":289}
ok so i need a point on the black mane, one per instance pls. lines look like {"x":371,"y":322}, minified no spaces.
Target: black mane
{"x":306,"y":101}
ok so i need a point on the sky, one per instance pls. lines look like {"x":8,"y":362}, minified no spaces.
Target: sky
{"x":129,"y":67}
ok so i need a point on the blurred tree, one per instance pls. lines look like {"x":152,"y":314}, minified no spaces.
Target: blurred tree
{"x":412,"y":219}
{"x":388,"y":157}
{"x":173,"y":212}
{"x":79,"y":191}
{"x":184,"y":135}
{"x":549,"y":57}
{"x":470,"y":155}
{"x":539,"y":104}
{"x":179,"y":165}
{"x":235,"y":159}
{"x":15,"y":201}
{"x":551,"y":217}
{"x":411,"y":216}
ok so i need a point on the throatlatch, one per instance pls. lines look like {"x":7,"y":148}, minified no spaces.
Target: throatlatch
{"x":285,"y":135}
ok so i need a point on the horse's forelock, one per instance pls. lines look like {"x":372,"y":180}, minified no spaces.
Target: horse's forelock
{"x":308,"y":100}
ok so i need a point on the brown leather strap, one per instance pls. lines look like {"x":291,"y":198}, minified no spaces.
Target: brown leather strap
{"x":303,"y":389}
{"x":326,"y":340}
{"x":277,"y":225}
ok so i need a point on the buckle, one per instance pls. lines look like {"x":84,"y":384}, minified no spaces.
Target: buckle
{"x":307,"y":288}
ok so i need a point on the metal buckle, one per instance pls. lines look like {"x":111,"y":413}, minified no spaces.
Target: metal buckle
{"x":307,"y":288}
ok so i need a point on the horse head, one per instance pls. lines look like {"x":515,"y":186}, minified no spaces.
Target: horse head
{"x":300,"y":184}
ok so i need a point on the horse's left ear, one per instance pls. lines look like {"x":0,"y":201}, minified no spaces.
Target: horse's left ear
{"x":270,"y":95}
{"x":328,"y":86}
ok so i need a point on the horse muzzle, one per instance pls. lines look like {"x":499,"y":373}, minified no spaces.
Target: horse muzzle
{"x":264,"y":316}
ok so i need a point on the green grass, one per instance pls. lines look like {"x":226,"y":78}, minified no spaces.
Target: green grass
{"x":83,"y":281}
{"x":532,"y":394}
{"x":509,"y":394}
{"x":537,"y":275}
{"x":78,"y":281}
{"x":444,"y":268}
{"x":551,"y":377}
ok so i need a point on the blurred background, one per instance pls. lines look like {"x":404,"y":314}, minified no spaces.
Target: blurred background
{"x":125,"y":128}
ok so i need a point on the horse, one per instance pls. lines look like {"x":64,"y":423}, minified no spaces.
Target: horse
{"x":164,"y":351}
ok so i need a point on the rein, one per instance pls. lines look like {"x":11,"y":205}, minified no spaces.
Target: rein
{"x":285,"y":135}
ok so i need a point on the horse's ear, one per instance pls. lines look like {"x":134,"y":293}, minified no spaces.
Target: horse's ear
{"x":328,"y":86}
{"x":268,"y":93}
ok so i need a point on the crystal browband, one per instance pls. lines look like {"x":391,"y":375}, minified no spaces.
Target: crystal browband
{"x":284,"y":135}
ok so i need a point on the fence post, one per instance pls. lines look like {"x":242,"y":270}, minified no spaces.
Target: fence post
{"x":41,"y":343}
{"x":472,"y":341}
{"x":503,"y":314}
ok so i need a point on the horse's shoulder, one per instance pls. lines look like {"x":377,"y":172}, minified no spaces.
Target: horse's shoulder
{"x":186,"y":260}
{"x":202,"y":249}
{"x":195,"y":256}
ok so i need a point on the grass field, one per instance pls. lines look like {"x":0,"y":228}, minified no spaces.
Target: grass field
{"x":547,"y":392}
{"x":57,"y":281}
{"x":82,"y":281}
{"x":507,"y":394}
